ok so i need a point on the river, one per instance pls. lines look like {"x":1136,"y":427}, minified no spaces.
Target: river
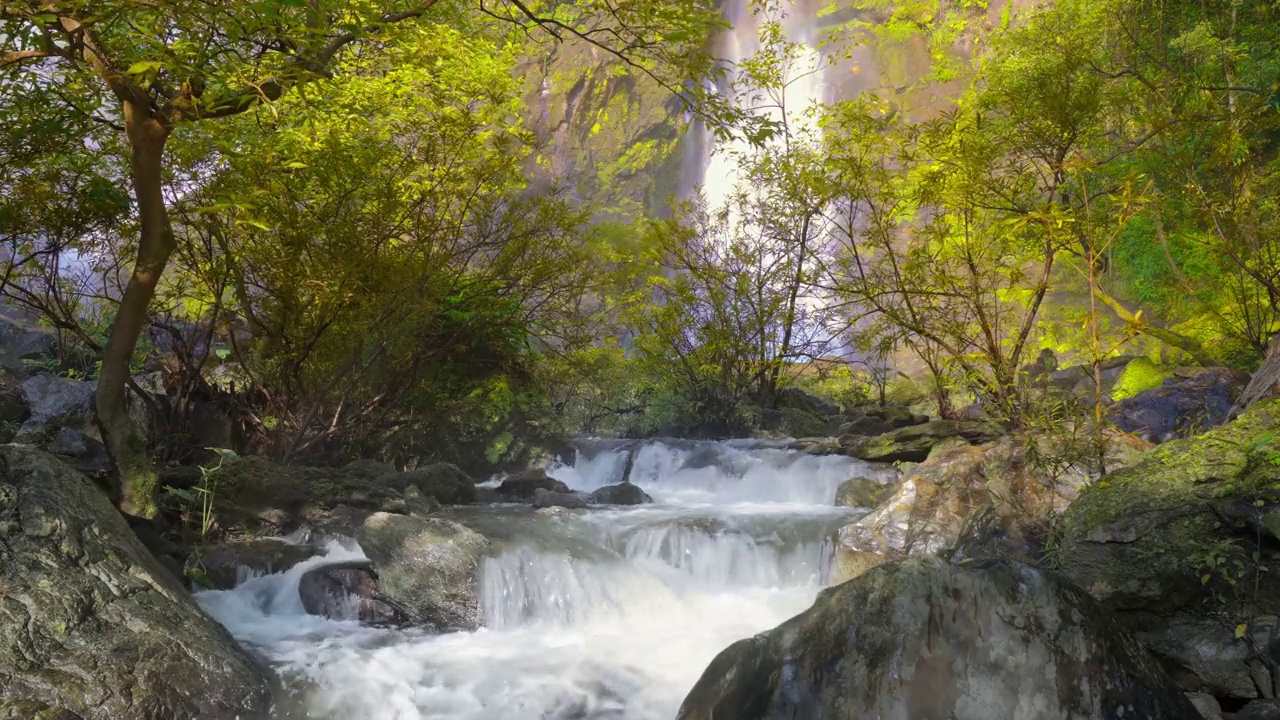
{"x":589,"y":614}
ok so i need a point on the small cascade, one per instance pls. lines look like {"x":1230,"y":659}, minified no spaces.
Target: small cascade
{"x":733,"y":472}
{"x":599,"y":614}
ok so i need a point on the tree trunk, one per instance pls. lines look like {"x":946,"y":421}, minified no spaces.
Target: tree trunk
{"x":1265,"y":383}
{"x":125,"y":442}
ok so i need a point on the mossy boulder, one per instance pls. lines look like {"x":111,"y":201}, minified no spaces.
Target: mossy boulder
{"x":913,"y":443}
{"x":1180,"y":529}
{"x":91,"y":626}
{"x":1186,"y":403}
{"x":255,"y":494}
{"x":428,"y":565}
{"x":522,"y":486}
{"x":924,"y":639}
{"x":992,"y":501}
{"x":861,"y":492}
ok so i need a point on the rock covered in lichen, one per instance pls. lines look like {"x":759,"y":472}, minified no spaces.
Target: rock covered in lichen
{"x":923,"y":639}
{"x":429,"y":565}
{"x":91,"y":626}
{"x":1178,"y":531}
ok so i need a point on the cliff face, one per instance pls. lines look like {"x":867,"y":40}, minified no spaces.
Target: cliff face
{"x":617,"y":138}
{"x":614,"y":137}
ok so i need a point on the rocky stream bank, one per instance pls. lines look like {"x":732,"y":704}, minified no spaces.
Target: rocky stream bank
{"x":971,"y":572}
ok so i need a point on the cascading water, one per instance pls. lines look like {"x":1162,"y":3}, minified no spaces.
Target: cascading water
{"x":593,"y":614}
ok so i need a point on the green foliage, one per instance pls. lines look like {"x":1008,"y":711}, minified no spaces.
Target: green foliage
{"x":1139,"y":375}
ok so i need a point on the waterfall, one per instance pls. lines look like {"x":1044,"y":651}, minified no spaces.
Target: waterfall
{"x":599,"y":614}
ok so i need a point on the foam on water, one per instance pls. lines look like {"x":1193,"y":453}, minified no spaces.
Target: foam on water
{"x":600,"y":614}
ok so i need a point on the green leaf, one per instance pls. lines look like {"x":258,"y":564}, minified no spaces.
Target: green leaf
{"x":142,"y":67}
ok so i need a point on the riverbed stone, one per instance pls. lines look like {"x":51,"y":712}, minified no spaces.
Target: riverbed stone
{"x":429,"y":565}
{"x":862,"y":492}
{"x":350,"y":591}
{"x":523,"y":486}
{"x":543,"y":498}
{"x":922,"y":638}
{"x":226,"y":565}
{"x":91,"y":626}
{"x":624,"y":493}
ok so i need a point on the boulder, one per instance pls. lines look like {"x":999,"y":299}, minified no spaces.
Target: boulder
{"x":13,"y":405}
{"x":543,"y":498}
{"x":877,"y":420}
{"x":913,"y":443}
{"x":1260,"y":710}
{"x":1207,"y":705}
{"x":522,"y":486}
{"x":623,"y":493}
{"x":350,"y":591}
{"x":924,"y":639}
{"x":91,"y":626}
{"x":861,"y":492}
{"x":1182,"y":535}
{"x":57,"y":401}
{"x":428,"y":565}
{"x":417,"y":503}
{"x":255,"y":494}
{"x":226,"y":565}
{"x":972,"y":502}
{"x":1204,"y":655}
{"x":795,"y":398}
{"x":445,"y":482}
{"x":1178,"y":531}
{"x":1184,"y":405}
{"x":83,"y":452}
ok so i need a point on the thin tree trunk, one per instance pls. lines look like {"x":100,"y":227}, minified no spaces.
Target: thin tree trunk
{"x":1189,"y":345}
{"x":125,"y":442}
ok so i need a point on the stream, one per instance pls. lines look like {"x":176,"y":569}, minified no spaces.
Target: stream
{"x":588,"y":615}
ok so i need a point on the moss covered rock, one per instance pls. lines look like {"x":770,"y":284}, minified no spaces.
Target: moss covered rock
{"x":924,"y":639}
{"x":1188,"y":527}
{"x":91,"y":626}
{"x":428,"y":565}
{"x":913,"y":443}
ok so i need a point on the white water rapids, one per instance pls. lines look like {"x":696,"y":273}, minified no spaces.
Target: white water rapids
{"x":595,"y":614}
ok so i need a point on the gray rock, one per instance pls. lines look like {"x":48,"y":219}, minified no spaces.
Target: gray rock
{"x":621,"y":494}
{"x":523,"y":486}
{"x":549,"y":498}
{"x":1204,"y":655}
{"x":350,"y":591}
{"x":1182,"y":407}
{"x":1207,"y":705}
{"x":924,"y":639}
{"x":445,"y":482}
{"x":85,"y":453}
{"x":428,"y":565}
{"x":91,"y":626}
{"x":57,"y":401}
{"x":1260,"y":710}
{"x":861,"y":492}
{"x":870,"y":421}
{"x":416,"y":503}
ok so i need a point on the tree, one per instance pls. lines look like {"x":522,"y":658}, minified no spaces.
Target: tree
{"x":148,"y":69}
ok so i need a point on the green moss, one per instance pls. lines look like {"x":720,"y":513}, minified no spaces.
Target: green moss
{"x":1220,"y":464}
{"x":1139,"y":375}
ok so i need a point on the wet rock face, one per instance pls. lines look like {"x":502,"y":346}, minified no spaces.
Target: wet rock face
{"x":861,"y":492}
{"x":621,"y":494}
{"x":925,"y":640}
{"x":91,"y":626}
{"x":1182,"y":406}
{"x":428,"y":565}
